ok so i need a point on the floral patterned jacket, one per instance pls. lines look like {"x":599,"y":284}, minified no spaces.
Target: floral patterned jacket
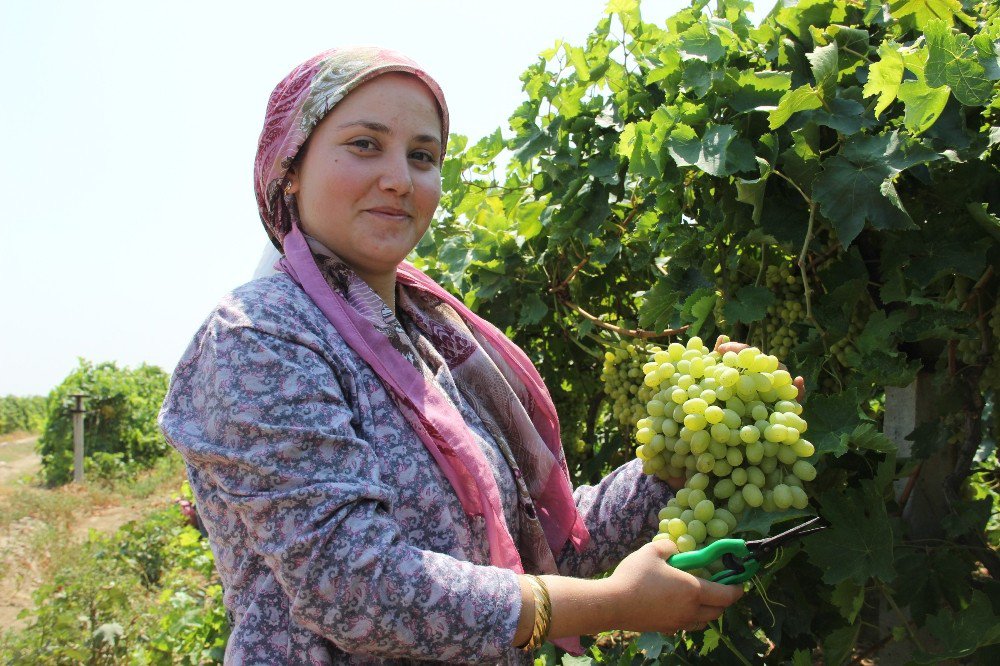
{"x":337,"y":538}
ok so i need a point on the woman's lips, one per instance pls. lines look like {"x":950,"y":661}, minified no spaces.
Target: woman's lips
{"x":392,"y":213}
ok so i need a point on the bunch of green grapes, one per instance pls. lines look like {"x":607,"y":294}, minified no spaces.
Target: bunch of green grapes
{"x":730,"y":424}
{"x":969,"y":350}
{"x":777,"y":333}
{"x":622,"y":378}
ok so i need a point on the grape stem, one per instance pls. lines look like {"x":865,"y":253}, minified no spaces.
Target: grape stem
{"x":805,"y":249}
{"x":626,"y":332}
{"x":729,"y":643}
{"x":569,"y":278}
{"x":902,"y":616}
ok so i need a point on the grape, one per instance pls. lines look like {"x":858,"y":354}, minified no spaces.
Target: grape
{"x":717,"y":528}
{"x":752,"y":495}
{"x":697,"y":530}
{"x":804,"y":470}
{"x":676,"y":527}
{"x":704,"y":510}
{"x":685,"y":542}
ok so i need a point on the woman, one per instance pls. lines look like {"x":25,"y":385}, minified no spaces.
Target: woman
{"x":379,"y":469}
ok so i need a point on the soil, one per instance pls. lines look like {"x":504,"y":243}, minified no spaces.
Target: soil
{"x":21,"y":568}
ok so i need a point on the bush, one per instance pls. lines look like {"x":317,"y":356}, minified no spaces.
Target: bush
{"x":147,"y":595}
{"x":21,"y":413}
{"x":120,"y":420}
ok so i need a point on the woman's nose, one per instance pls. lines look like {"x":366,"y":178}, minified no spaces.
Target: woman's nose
{"x":396,"y":176}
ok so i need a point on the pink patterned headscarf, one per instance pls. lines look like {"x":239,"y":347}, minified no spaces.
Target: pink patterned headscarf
{"x":295,"y":108}
{"x":300,"y":101}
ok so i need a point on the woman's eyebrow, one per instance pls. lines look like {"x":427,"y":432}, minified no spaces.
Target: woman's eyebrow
{"x":385,"y":129}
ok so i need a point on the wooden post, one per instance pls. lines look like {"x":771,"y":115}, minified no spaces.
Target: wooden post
{"x":78,"y":411}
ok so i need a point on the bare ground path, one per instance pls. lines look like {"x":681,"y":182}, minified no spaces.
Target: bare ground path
{"x":39,"y":525}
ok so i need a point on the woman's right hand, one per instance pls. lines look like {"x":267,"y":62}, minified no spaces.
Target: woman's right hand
{"x":651,"y":595}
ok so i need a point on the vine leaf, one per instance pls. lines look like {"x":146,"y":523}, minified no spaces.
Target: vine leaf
{"x":848,"y":596}
{"x":832,"y":420}
{"x":963,"y":631}
{"x":885,"y":76}
{"x":658,"y":306}
{"x":760,"y":522}
{"x":850,"y":194}
{"x":951,"y":62}
{"x":923,"y":104}
{"x":825,"y":62}
{"x":720,"y":152}
{"x":925,"y":11}
{"x":697,"y":307}
{"x":749,"y":305}
{"x":699,"y":43}
{"x":803,"y":98}
{"x":858,"y":544}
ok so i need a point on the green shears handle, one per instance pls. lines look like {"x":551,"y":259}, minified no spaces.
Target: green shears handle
{"x":699,"y":559}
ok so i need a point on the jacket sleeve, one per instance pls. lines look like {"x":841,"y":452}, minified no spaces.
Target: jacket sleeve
{"x":621,"y":514}
{"x":265,"y":421}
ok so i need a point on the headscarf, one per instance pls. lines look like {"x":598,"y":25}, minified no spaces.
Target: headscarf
{"x":294,"y":109}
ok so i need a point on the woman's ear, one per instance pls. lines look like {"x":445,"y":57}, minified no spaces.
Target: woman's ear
{"x":292,"y":180}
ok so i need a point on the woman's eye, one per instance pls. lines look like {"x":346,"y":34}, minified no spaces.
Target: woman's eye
{"x":424,"y":156}
{"x":363,"y":144}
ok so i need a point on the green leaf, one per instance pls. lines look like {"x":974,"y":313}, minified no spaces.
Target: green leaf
{"x":963,"y":631}
{"x":885,"y":76}
{"x":652,"y":644}
{"x":832,"y":420}
{"x":710,"y":641}
{"x":922,"y":103}
{"x":858,"y":544}
{"x":657,"y":307}
{"x":749,"y":304}
{"x":533,"y":310}
{"x":826,"y":70}
{"x":697,"y":78}
{"x":802,"y":98}
{"x":951,"y":62}
{"x":925,"y":11}
{"x":848,"y":596}
{"x":579,"y":60}
{"x":720,"y":152}
{"x":760,"y":91}
{"x":760,"y":522}
{"x":867,"y":437}
{"x":850,"y":194}
{"x":699,"y":43}
{"x":839,"y":644}
{"x":697,"y":307}
{"x":529,"y":218}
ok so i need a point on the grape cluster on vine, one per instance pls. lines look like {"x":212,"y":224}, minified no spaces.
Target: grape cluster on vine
{"x":777,"y":333}
{"x":622,"y":378}
{"x":728,"y":423}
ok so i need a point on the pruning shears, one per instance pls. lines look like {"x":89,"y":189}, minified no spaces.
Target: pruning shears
{"x":742,"y":559}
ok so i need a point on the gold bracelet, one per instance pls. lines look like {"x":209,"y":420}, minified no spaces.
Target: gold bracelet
{"x":543,"y":613}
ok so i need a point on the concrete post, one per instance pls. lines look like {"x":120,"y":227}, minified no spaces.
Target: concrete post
{"x":78,"y":411}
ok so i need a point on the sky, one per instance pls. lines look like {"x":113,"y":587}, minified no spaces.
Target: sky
{"x":128,"y":131}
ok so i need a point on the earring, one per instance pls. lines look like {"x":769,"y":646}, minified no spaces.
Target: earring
{"x":288,"y":188}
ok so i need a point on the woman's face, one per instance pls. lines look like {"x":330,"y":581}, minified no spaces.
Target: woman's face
{"x":369,"y":181}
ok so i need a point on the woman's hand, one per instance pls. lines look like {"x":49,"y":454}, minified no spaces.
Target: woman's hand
{"x":723,"y":345}
{"x":654,"y":596}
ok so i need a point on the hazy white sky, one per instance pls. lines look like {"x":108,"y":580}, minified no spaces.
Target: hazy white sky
{"x":127,"y":135}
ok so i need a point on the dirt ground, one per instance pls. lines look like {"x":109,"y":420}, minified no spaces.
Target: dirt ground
{"x":23,"y":547}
